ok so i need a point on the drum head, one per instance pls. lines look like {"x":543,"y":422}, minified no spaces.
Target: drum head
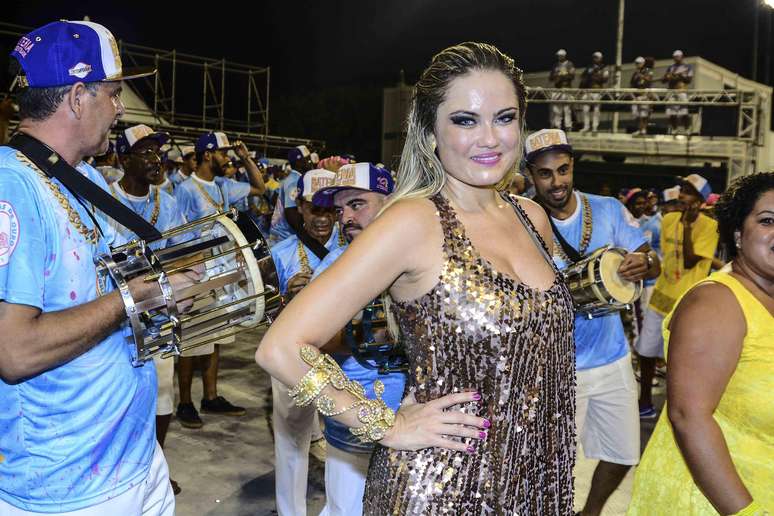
{"x":621,"y":290}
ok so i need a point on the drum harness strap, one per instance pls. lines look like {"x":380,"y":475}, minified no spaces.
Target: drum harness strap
{"x":53,"y":165}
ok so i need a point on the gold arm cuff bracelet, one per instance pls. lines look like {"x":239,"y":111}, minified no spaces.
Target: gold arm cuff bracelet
{"x":375,"y":415}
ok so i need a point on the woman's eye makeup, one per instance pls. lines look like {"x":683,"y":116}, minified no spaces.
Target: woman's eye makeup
{"x":462,"y":120}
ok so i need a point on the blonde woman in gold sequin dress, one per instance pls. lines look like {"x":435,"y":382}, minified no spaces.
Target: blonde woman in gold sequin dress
{"x":487,"y":425}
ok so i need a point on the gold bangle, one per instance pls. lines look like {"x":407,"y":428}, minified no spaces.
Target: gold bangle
{"x":375,"y":415}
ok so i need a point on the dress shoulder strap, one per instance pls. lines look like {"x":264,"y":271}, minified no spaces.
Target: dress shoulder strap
{"x":537,"y":238}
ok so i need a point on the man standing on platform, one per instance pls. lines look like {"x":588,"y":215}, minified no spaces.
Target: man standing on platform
{"x":594,"y":77}
{"x":562,"y":75}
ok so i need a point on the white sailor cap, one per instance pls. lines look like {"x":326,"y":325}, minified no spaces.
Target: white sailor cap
{"x":677,"y":53}
{"x":639,"y":60}
{"x":561,"y":52}
{"x":597,"y":54}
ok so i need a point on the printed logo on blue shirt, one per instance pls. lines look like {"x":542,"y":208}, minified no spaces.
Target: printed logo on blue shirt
{"x":9,"y":231}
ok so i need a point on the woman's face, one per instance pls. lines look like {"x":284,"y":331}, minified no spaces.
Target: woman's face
{"x":477,"y":128}
{"x":758,"y":236}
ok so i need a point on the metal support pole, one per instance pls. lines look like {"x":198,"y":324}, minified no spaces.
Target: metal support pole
{"x":222,"y":91}
{"x":204,"y":98}
{"x":174,"y":83}
{"x":266,"y":113}
{"x":156,"y":89}
{"x":756,"y":23}
{"x":618,"y":56}
{"x":767,"y":47}
{"x":250,"y":84}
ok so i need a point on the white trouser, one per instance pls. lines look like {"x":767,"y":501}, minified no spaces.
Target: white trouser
{"x":293,"y":429}
{"x":345,"y":477}
{"x":595,"y":112}
{"x":556,"y":114}
{"x":606,"y":413}
{"x":151,"y":497}
{"x":165,"y":376}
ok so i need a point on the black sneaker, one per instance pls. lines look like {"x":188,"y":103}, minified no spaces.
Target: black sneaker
{"x":221,"y":405}
{"x":188,"y":416}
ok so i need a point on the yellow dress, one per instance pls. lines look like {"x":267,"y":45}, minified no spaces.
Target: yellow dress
{"x":663,"y":484}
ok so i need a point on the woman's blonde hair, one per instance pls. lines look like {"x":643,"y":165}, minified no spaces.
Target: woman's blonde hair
{"x":420,"y":173}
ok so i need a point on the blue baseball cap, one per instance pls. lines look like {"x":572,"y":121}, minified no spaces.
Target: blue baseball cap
{"x":357,"y":176}
{"x":130,"y":136}
{"x":212,"y":141}
{"x":65,"y":52}
{"x":297,"y":153}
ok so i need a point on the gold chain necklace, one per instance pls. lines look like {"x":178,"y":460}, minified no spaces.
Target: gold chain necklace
{"x":209,"y":199}
{"x":585,"y":236}
{"x":304,"y":259}
{"x":156,"y":203}
{"x":342,"y":240}
{"x":91,"y":235}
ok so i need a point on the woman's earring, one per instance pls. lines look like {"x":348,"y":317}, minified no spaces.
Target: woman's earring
{"x":738,"y":240}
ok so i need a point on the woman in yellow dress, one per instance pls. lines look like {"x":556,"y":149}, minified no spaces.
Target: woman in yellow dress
{"x":712,"y":451}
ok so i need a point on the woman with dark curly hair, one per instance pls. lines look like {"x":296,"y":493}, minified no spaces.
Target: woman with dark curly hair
{"x":713,"y":448}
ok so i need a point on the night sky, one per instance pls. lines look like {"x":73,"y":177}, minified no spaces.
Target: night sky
{"x":330,"y":60}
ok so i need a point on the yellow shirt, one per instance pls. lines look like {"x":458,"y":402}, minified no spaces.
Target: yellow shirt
{"x":675,"y":279}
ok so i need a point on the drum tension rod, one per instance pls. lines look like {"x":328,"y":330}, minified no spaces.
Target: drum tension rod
{"x":187,"y":266}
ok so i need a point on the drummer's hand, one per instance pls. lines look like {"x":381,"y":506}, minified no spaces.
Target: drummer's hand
{"x":634,"y":267}
{"x":183,"y":280}
{"x":297,"y":282}
{"x":240,"y":149}
{"x":425,"y":425}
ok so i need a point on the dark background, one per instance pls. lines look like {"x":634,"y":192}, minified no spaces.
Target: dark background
{"x":330,"y":60}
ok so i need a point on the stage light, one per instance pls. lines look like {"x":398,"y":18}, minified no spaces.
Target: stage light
{"x":769,"y":3}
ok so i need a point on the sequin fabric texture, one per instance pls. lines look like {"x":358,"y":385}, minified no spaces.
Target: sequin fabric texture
{"x":479,"y":330}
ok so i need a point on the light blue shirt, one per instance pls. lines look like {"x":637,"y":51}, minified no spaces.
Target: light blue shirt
{"x":169,"y":215}
{"x":288,"y":262}
{"x":338,"y":434}
{"x":222,"y":192}
{"x":651,"y":228}
{"x":601,"y":340}
{"x":177,"y":177}
{"x":84,"y":432}
{"x":288,"y":191}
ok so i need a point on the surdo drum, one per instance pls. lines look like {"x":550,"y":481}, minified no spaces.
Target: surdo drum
{"x":595,"y":285}
{"x":237,"y":286}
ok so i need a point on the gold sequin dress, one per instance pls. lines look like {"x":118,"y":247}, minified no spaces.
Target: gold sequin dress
{"x":478,"y":329}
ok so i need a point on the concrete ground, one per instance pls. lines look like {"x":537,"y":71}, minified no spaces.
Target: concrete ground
{"x":227,"y":467}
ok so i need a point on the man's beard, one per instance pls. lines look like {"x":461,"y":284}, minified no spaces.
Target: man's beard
{"x":549,"y":201}
{"x":217,"y":170}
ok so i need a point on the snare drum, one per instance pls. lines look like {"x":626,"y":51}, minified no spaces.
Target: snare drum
{"x":595,"y":285}
{"x":237,"y":289}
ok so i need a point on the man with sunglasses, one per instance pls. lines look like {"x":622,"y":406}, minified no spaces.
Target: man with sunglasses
{"x":205,"y":192}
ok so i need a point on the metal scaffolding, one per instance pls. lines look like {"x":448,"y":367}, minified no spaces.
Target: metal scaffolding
{"x":234,"y":96}
{"x":738,"y":150}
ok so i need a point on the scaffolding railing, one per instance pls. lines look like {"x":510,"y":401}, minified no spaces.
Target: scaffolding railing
{"x":748,"y":103}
